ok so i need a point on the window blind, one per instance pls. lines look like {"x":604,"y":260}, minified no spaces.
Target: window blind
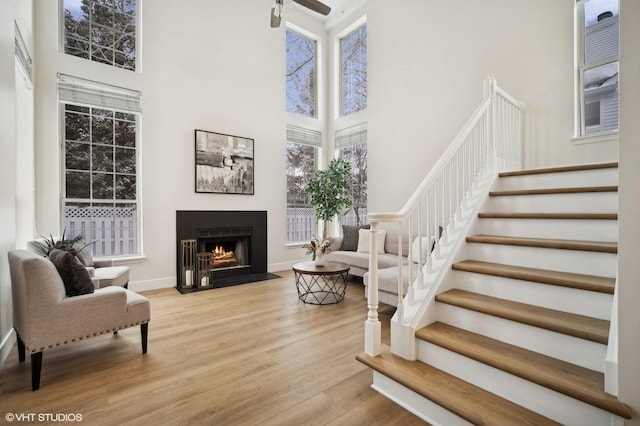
{"x":304,"y":136}
{"x":87,"y":92}
{"x":350,"y":136}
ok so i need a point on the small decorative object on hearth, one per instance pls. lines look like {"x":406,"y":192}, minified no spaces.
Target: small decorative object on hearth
{"x":187,"y":263}
{"x":318,"y":249}
{"x":204,"y":269}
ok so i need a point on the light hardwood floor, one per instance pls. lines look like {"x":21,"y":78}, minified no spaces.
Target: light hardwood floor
{"x":246,"y":355}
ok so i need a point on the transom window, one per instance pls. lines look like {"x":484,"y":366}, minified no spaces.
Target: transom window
{"x":102,"y":31}
{"x":353,"y":51}
{"x":301,"y":74}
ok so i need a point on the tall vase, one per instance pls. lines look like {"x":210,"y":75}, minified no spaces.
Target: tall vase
{"x":320,"y":260}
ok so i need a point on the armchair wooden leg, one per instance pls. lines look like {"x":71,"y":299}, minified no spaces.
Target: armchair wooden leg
{"x":36,"y":368}
{"x":21,"y":348}
{"x":144,"y":330}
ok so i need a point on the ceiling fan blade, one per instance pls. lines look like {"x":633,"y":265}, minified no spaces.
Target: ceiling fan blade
{"x":315,"y":5}
{"x":275,"y":19}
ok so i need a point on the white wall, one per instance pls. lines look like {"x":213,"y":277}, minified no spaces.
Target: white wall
{"x":629,"y":238}
{"x":7,"y":171}
{"x":427,"y":61}
{"x":211,"y":65}
{"x":19,"y":12}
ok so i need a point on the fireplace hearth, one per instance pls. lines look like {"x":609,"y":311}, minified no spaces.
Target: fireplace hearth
{"x":220,"y":248}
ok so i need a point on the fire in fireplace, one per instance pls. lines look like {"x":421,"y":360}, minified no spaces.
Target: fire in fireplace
{"x":226,"y":252}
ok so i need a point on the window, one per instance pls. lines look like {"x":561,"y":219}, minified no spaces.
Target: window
{"x":302,"y":161}
{"x":598,"y":45}
{"x":301,"y":74}
{"x":102,"y":31}
{"x":353,"y":51}
{"x":351,"y":144}
{"x":100,"y":155}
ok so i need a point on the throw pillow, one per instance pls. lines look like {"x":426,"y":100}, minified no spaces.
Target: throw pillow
{"x":350,"y":237}
{"x":415,"y":249}
{"x":74,"y":275}
{"x":364,"y":240}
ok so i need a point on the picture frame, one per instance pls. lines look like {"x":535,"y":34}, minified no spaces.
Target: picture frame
{"x":224,"y":163}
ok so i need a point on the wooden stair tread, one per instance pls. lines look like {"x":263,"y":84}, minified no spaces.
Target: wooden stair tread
{"x":465,"y":400}
{"x":565,"y":279}
{"x":569,"y":216}
{"x":560,"y":169}
{"x":563,"y":190}
{"x":597,"y":246}
{"x":580,"y":326}
{"x":570,"y":379}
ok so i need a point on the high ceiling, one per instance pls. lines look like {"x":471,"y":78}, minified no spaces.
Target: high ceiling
{"x":338,"y":8}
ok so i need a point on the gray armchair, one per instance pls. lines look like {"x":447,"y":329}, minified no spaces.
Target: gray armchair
{"x":45,"y":317}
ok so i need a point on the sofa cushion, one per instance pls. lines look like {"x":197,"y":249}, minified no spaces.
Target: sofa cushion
{"x":391,"y":243}
{"x":388,"y":278}
{"x":74,"y":275}
{"x":112,"y":275}
{"x":350,"y":237}
{"x":361,"y":260}
{"x":364,"y":240}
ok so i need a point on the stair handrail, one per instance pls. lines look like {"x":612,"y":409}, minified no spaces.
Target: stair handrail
{"x":491,"y":140}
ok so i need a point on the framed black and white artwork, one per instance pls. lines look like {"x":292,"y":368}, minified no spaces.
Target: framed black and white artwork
{"x":224,"y":163}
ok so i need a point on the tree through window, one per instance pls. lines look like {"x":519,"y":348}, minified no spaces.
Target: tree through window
{"x":301,"y":74}
{"x":354,"y":71}
{"x":102,"y":31}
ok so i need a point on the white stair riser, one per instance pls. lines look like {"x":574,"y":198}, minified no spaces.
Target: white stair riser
{"x":547,"y":402}
{"x":591,"y":202}
{"x":571,"y":349}
{"x":600,"y":177}
{"x":575,"y":301}
{"x":415,"y":403}
{"x":576,"y":261}
{"x":583,"y":230}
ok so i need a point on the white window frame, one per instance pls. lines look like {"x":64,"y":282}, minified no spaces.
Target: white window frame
{"x":87,"y":93}
{"x":138,"y":38}
{"x":580,"y":135}
{"x":300,"y":119}
{"x":312,"y":138}
{"x":356,"y":134}
{"x":337,"y":104}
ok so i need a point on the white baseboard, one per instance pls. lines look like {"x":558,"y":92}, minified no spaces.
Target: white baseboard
{"x":155,"y":284}
{"x":283,"y":266}
{"x":7,"y":345}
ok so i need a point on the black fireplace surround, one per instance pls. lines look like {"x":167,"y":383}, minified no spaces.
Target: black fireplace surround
{"x":224,"y":225}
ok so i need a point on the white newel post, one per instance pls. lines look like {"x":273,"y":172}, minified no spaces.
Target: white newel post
{"x":372,"y":328}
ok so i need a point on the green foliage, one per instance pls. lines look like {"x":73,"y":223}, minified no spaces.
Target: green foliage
{"x":48,"y":244}
{"x":329,"y":190}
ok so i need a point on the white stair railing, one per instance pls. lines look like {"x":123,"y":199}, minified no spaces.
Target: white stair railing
{"x":491,"y":141}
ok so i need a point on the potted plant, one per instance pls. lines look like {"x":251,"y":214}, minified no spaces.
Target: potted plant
{"x":329,"y":192}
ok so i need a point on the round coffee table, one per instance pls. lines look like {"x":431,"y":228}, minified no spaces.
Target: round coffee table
{"x":321,"y":285}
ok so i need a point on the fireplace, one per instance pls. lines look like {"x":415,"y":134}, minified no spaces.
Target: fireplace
{"x":220,"y":248}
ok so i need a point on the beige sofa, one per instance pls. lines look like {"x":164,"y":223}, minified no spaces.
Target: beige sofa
{"x":387,"y":265}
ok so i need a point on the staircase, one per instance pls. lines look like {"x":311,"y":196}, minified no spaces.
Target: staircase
{"x":522,"y":336}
